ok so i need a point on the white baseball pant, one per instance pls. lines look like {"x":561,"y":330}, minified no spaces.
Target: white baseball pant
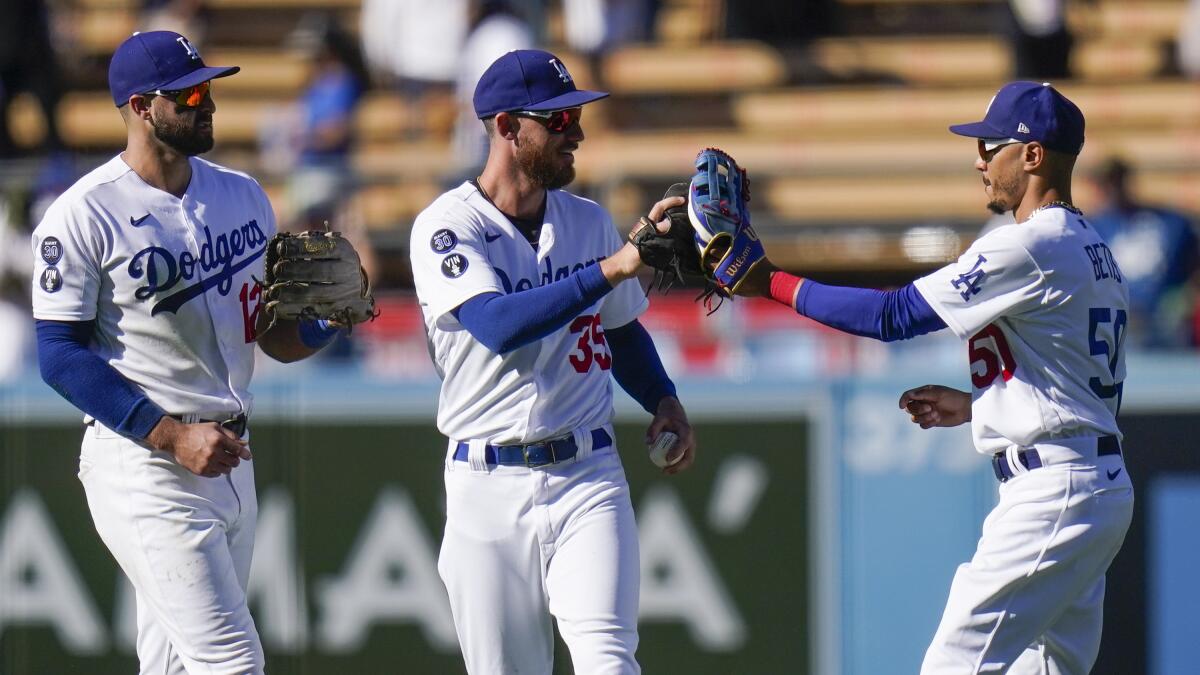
{"x":185,"y":543}
{"x":522,"y":545}
{"x":1031,"y":599}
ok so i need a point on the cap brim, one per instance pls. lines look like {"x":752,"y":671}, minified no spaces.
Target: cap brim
{"x":199,"y":75}
{"x":570,"y":99}
{"x":977,"y":130}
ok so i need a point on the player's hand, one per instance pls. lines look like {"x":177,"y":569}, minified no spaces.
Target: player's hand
{"x":671,"y":417}
{"x":658,"y":212}
{"x":758,"y":281}
{"x":206,"y":449}
{"x":936,"y":406}
{"x":627,"y":262}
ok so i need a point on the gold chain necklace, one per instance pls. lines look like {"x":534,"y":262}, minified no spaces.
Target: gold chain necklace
{"x":1058,"y":202}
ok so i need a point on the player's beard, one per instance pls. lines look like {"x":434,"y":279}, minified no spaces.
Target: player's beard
{"x":543,"y":166}
{"x":184,"y":138}
{"x":1002,"y":189}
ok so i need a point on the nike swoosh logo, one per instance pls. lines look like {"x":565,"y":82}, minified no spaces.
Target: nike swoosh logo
{"x":1113,"y":474}
{"x":489,"y":237}
{"x":137,"y":221}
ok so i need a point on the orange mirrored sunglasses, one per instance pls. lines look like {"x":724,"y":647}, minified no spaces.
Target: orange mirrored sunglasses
{"x":191,"y":97}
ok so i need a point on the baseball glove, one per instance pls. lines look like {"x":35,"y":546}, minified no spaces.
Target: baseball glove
{"x":729,"y":248}
{"x":672,"y":254}
{"x":316,"y":275}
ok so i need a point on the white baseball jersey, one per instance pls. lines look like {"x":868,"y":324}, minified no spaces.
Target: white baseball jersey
{"x":1044,"y":306}
{"x":167,"y":280}
{"x":463,"y":246}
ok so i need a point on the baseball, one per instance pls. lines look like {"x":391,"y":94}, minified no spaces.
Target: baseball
{"x":661,"y":446}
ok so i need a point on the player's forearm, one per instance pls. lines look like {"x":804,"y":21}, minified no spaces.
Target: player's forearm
{"x":507,"y":322}
{"x":883,"y":315}
{"x":637,"y":366}
{"x":288,"y":340}
{"x":622,"y":265}
{"x":90,"y":384}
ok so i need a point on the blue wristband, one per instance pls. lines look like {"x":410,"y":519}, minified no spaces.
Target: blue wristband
{"x":317,"y":334}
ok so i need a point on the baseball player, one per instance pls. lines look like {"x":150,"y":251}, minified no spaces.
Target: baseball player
{"x":530,"y":304}
{"x":1043,"y":307}
{"x":147,"y":315}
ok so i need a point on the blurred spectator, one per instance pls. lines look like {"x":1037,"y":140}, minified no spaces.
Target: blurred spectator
{"x":16,"y":270}
{"x":186,"y":17}
{"x":414,"y":44}
{"x":1040,"y":40}
{"x":593,"y":27}
{"x":496,"y":28}
{"x":322,"y":177}
{"x":28,"y":63}
{"x":1158,"y":254}
{"x":1189,"y":41}
{"x":312,"y":144}
{"x":20,"y":210}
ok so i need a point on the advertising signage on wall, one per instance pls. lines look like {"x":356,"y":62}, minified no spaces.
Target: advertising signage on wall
{"x":345,"y":567}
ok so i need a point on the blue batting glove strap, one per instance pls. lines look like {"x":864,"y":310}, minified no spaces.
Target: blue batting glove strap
{"x":317,"y":334}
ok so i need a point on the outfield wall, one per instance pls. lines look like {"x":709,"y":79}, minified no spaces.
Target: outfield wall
{"x":817,"y":533}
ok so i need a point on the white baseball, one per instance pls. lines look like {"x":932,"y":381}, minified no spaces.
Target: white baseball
{"x":662,"y":445}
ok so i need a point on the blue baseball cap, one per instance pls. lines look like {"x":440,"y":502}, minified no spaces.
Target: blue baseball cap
{"x":528,"y":79}
{"x":159,"y":59}
{"x":1030,"y":111}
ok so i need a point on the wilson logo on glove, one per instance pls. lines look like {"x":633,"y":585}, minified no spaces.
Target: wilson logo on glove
{"x":705,"y":232}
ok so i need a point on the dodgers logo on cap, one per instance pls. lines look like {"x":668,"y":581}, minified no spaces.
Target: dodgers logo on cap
{"x":1030,"y":111}
{"x":528,"y":79}
{"x":158,"y":60}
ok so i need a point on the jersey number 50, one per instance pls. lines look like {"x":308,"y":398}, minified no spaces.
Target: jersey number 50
{"x":592,"y":347}
{"x":990,"y":348}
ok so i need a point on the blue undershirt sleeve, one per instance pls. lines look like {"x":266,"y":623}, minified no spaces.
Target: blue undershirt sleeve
{"x":507,"y":322}
{"x":90,"y":384}
{"x":637,"y":367}
{"x":883,"y":315}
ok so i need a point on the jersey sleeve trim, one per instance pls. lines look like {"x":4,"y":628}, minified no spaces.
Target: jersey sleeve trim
{"x":922,"y":286}
{"x":66,"y":316}
{"x":443,"y":314}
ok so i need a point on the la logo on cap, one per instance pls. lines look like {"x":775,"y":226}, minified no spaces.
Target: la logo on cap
{"x":562,"y":70}
{"x":191,"y":51}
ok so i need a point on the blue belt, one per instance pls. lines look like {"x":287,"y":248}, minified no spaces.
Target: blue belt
{"x":534,"y":454}
{"x":1030,"y":459}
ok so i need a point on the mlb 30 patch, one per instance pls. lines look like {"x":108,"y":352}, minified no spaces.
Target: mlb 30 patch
{"x":52,"y":250}
{"x":443,"y":241}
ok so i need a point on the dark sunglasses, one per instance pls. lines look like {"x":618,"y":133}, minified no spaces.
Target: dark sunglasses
{"x":191,"y":97}
{"x":556,"y":121}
